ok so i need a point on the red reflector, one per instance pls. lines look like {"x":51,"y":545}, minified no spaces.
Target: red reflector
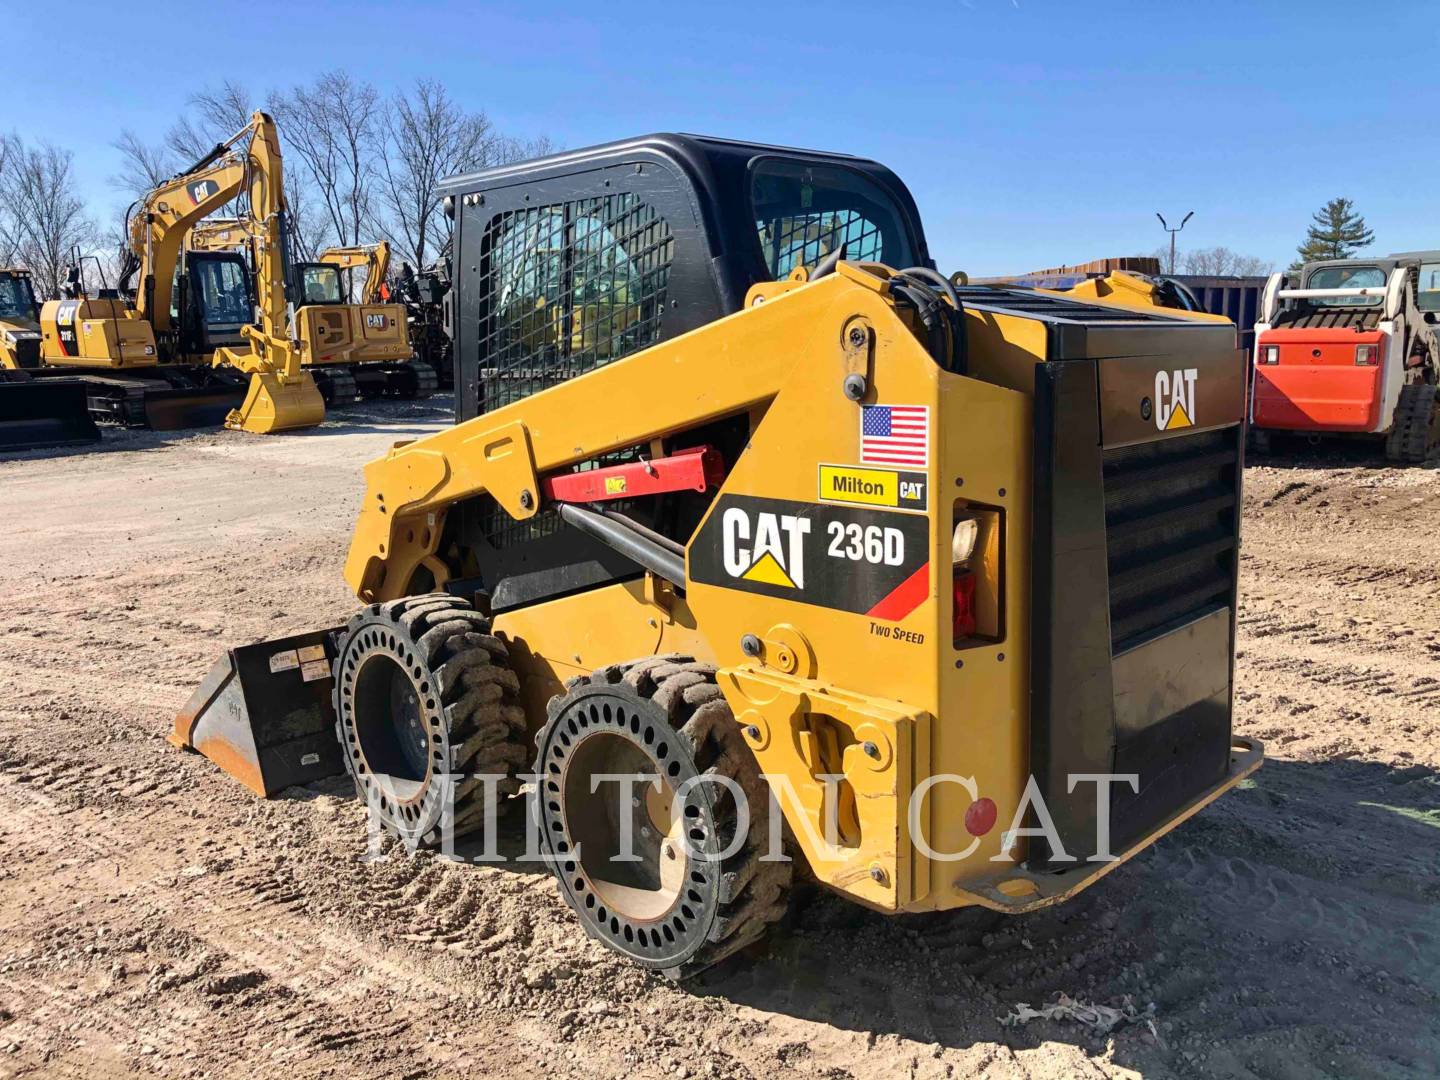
{"x":964,"y":604}
{"x":980,"y":818}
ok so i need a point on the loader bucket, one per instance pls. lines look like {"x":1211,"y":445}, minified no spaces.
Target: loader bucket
{"x":45,"y":412}
{"x":274,"y":405}
{"x":264,"y":714}
{"x":176,"y":408}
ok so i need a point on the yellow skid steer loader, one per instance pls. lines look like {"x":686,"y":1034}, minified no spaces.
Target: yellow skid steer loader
{"x":763,"y":550}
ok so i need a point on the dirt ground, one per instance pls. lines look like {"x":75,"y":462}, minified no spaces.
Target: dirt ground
{"x":156,"y":919}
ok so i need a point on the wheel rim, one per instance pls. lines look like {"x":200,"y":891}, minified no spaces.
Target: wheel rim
{"x":392,"y":727}
{"x":659,"y":910}
{"x":644,"y":888}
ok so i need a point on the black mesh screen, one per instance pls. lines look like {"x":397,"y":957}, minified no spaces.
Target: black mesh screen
{"x":805,"y":239}
{"x":500,"y":530}
{"x":1170,"y":511}
{"x":567,"y":288}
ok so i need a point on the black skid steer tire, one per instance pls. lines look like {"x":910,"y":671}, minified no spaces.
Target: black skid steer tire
{"x":428,"y":716}
{"x":1416,"y":431}
{"x":665,"y":716}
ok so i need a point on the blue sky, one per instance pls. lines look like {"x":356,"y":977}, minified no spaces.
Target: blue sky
{"x":1030,"y":132}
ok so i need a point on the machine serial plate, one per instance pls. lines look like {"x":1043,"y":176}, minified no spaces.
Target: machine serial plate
{"x":870,"y":562}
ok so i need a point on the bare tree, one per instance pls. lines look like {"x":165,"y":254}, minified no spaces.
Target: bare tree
{"x":1222,"y":262}
{"x":1215,"y":262}
{"x":427,"y":137}
{"x":9,"y":243}
{"x":142,"y":166}
{"x":43,"y":217}
{"x":213,"y":116}
{"x":358,"y":167}
{"x":333,"y":127}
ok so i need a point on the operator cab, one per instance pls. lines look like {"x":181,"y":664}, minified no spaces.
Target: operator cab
{"x":19,"y":319}
{"x":212,"y":300}
{"x":566,"y":263}
{"x":575,"y":260}
{"x":319,"y":284}
{"x":17,"y":298}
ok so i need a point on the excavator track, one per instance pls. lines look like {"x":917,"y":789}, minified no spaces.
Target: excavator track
{"x":677,"y":913}
{"x":407,"y":380}
{"x":165,"y":399}
{"x":337,"y":385}
{"x":1416,"y":432}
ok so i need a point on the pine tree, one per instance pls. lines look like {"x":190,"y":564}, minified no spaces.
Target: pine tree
{"x":1337,"y":232}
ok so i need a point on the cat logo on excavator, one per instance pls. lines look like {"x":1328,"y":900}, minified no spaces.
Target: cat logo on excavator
{"x":201,"y":190}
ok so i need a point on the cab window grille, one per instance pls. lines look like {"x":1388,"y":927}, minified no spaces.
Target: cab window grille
{"x":804,"y":210}
{"x":568,"y":288}
{"x":805,"y":239}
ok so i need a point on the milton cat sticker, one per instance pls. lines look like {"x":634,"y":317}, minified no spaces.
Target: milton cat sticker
{"x":869,"y":562}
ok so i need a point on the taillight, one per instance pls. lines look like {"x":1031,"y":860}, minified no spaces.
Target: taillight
{"x":1367,"y":355}
{"x":962,"y":547}
{"x":964,"y":620}
{"x":1269,"y":354}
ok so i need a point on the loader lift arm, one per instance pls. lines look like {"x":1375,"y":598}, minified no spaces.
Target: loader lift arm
{"x":409,"y":490}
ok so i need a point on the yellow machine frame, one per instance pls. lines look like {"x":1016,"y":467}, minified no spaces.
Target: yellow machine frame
{"x":329,"y":334}
{"x":791,"y":696}
{"x":115,"y":334}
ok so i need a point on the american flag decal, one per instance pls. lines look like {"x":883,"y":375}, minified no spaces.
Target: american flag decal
{"x":895,"y":435}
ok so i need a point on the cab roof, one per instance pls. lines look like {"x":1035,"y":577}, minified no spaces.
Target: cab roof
{"x":716,"y":168}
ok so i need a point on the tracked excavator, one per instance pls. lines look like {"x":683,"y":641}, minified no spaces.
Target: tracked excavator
{"x":382,"y":362}
{"x":919,"y":591}
{"x":375,"y":258}
{"x":183,"y":352}
{"x":34,"y":413}
{"x":349,"y":349}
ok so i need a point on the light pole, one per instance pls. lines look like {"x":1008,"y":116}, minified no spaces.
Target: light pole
{"x":1172,"y":233}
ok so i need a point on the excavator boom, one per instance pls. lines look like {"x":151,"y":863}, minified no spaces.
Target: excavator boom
{"x":374,"y":257}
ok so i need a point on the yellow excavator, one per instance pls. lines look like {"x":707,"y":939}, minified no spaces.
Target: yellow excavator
{"x":765,"y":553}
{"x":350,"y":349}
{"x":381,"y":361}
{"x":34,"y":412}
{"x":179,"y":353}
{"x":375,"y":258}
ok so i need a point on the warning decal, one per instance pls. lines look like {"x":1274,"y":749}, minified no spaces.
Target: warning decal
{"x":868,"y":562}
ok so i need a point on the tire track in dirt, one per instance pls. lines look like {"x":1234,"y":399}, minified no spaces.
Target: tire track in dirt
{"x":1288,"y":930}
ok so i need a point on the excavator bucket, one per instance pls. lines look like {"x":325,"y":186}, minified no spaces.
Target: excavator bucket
{"x":264,"y":714}
{"x":38,"y":413}
{"x":274,"y":405}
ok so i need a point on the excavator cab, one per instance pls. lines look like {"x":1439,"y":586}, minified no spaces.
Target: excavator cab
{"x":19,"y":310}
{"x":212,"y":300}
{"x":319,"y":283}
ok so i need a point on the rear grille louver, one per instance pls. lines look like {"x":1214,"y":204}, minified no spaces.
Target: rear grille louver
{"x":1170,"y":526}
